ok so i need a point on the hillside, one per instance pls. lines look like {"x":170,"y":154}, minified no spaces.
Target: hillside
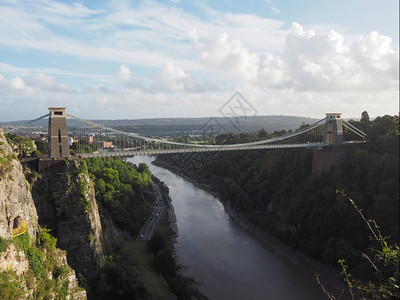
{"x":276,"y":191}
{"x":179,"y":126}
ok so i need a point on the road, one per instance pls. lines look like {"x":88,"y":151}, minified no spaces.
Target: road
{"x":157,"y":213}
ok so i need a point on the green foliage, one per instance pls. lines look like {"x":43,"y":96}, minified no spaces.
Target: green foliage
{"x":3,"y":244}
{"x":46,"y":240}
{"x":276,"y":189}
{"x":22,"y":146}
{"x":35,"y":256}
{"x":82,"y":282}
{"x":91,"y":238}
{"x":81,"y":185}
{"x":32,"y":176}
{"x":83,"y":200}
{"x":82,"y":148}
{"x":5,"y":166}
{"x":383,"y":261}
{"x":61,"y":271}
{"x":9,"y":287}
{"x":157,"y":243}
{"x":122,"y":274}
{"x":42,"y":147}
{"x":119,"y":189}
{"x":42,"y":260}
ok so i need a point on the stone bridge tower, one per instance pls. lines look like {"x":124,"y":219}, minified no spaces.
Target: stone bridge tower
{"x":336,"y":153}
{"x":58,"y":133}
{"x":333,"y":129}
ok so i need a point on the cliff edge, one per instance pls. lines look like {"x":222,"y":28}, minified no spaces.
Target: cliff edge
{"x":30,"y":265}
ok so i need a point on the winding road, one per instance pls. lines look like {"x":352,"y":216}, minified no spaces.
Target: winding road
{"x":158,"y":211}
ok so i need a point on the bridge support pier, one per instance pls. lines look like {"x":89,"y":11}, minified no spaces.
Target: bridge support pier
{"x":336,"y":153}
{"x":326,"y":158}
{"x":58,"y":133}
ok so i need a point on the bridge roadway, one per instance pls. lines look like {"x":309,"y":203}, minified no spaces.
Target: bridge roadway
{"x":200,"y":149}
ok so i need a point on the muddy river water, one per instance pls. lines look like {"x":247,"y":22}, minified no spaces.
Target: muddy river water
{"x":227,"y":261}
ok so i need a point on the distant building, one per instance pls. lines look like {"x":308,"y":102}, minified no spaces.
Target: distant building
{"x":105,"y":145}
{"x":86,"y":139}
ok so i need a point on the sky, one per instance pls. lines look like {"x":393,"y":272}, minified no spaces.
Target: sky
{"x":123,"y":59}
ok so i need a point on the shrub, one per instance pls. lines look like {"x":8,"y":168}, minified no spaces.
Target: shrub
{"x":35,"y":257}
{"x":9,"y":287}
{"x":3,"y":244}
{"x":46,"y":239}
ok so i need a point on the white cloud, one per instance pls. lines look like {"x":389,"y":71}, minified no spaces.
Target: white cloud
{"x":15,"y":85}
{"x":73,"y":10}
{"x":47,"y":83}
{"x":125,"y":76}
{"x":173,"y":79}
{"x":149,"y":35}
{"x":321,"y":61}
{"x":124,"y":73}
{"x":167,"y":54}
{"x":170,"y":79}
{"x":310,"y":61}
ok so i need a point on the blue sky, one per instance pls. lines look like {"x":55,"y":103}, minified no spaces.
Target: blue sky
{"x":146,"y":59}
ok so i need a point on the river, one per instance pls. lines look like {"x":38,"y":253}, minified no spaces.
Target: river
{"x":227,"y":261}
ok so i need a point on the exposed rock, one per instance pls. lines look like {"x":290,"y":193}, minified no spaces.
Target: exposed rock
{"x":112,"y":236}
{"x":17,"y":208}
{"x":66,"y":203}
{"x":13,"y":259}
{"x":16,"y":202}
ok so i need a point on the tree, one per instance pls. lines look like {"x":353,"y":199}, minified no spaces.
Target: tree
{"x":364,"y":117}
{"x":42,"y":146}
{"x":384,"y":262}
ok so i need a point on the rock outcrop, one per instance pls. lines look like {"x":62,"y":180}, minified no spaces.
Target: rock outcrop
{"x":66,"y":203}
{"x":17,"y":266}
{"x":16,"y":203}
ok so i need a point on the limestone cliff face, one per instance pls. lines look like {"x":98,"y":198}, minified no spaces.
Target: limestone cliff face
{"x":15,"y":263}
{"x":17,"y":207}
{"x":66,"y":203}
{"x":16,"y":204}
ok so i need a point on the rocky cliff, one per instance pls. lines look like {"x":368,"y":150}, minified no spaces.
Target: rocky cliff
{"x":28,"y":266}
{"x":16,"y":203}
{"x":66,"y":202}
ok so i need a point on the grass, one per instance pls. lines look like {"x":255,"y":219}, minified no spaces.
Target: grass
{"x":152,"y":280}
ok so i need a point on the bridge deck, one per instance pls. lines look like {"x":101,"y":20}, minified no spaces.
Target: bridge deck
{"x":191,"y":150}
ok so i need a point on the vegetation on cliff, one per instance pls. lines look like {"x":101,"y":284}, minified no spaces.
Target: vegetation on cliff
{"x":121,"y":190}
{"x":135,"y":270}
{"x":22,"y":146}
{"x":276,"y":191}
{"x":47,"y":275}
{"x":31,"y":267}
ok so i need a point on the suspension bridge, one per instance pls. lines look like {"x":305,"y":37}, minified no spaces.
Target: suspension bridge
{"x":91,"y":139}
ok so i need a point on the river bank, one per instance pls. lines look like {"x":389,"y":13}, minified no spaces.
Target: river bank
{"x":328,"y":275}
{"x":166,"y":201}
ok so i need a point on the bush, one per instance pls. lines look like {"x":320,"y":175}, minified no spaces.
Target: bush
{"x":35,"y":257}
{"x":3,"y":244}
{"x":9,"y":287}
{"x":46,"y":239}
